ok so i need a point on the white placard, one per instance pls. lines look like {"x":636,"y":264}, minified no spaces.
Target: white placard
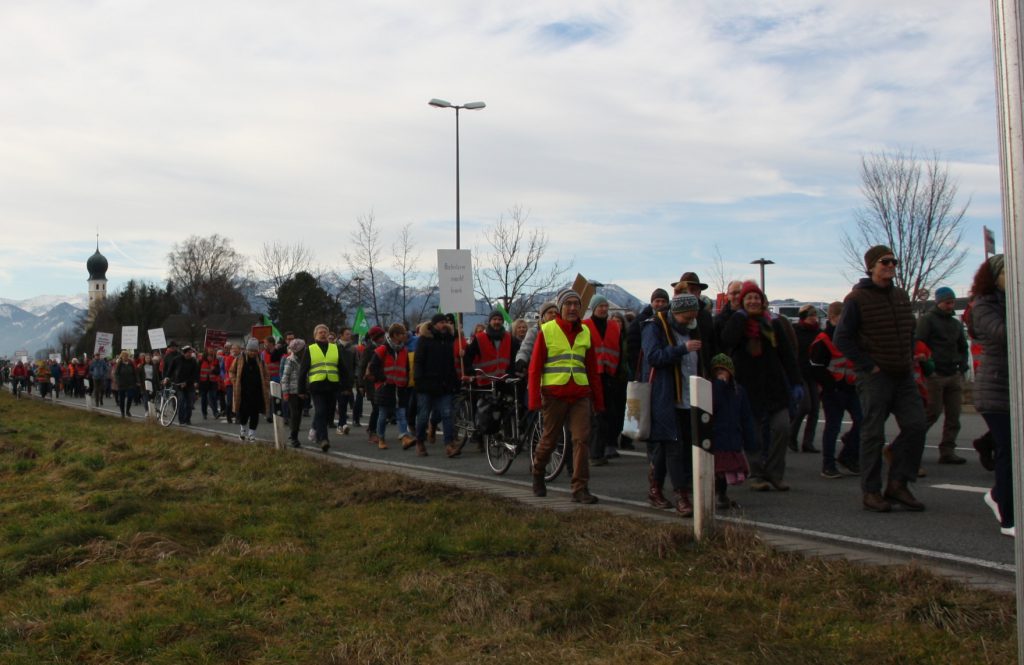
{"x":275,"y":389}
{"x":130,"y":337}
{"x":55,"y":357}
{"x":455,"y":278}
{"x":157,"y":340}
{"x":104,"y":342}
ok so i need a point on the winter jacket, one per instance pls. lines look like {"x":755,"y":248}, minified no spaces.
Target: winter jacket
{"x":127,"y":375}
{"x":186,"y":371}
{"x":318,"y":387}
{"x":877,"y":329}
{"x":634,"y":342}
{"x":570,"y":392}
{"x":734,"y":427}
{"x":767,"y":378}
{"x":992,"y":382}
{"x":349,"y":361}
{"x":662,"y":354}
{"x":99,"y":369}
{"x":386,"y":393}
{"x":290,"y":375}
{"x":239,"y":376}
{"x":805,"y":336}
{"x":943,"y":333}
{"x":434,"y":364}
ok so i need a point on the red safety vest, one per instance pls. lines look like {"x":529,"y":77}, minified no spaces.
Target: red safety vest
{"x":490,"y":360}
{"x":273,"y":368}
{"x":839,"y":367}
{"x":207,"y":371}
{"x":606,"y":349}
{"x":396,"y":366}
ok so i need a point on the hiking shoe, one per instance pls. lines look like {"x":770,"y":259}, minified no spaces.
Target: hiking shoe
{"x":831,"y":473}
{"x":539,"y":488}
{"x":849,"y":466}
{"x":452,"y":450}
{"x":583,"y":496}
{"x":340,"y":430}
{"x":408,"y":442}
{"x":345,"y":429}
{"x":876,"y":503}
{"x":951,"y":458}
{"x":381,"y":445}
{"x":325,"y":446}
{"x":897,"y":492}
{"x":760,"y":485}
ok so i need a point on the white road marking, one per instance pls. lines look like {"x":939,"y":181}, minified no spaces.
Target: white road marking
{"x":961,"y":488}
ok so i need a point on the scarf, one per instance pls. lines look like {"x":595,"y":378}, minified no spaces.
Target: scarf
{"x":758,"y":327}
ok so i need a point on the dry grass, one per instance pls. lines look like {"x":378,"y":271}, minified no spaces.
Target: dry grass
{"x":126,"y":544}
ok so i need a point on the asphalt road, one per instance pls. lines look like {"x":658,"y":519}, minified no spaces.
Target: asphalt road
{"x":957,"y":527}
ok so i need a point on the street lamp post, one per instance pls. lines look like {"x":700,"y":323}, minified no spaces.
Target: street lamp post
{"x":763,"y":262}
{"x":472,"y":106}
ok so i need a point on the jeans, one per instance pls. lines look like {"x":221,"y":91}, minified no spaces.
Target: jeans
{"x":344,"y":401}
{"x":836,"y":402}
{"x":674,"y":458}
{"x":387,"y":413}
{"x":186,"y":397}
{"x":357,"y":406}
{"x":808,"y":407}
{"x":432,"y":407}
{"x":945,"y":394}
{"x":769,"y":461}
{"x":294,"y":416}
{"x":124,"y":400}
{"x":880,"y":395}
{"x":229,"y":397}
{"x":1002,"y":490}
{"x":208,"y":399}
{"x":323,"y":411}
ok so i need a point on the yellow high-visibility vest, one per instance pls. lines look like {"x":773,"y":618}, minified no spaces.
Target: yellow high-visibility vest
{"x":321,"y":367}
{"x":565,"y":361}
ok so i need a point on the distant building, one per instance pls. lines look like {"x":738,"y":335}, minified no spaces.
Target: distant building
{"x":97,"y":266}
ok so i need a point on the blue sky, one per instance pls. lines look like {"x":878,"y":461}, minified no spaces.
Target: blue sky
{"x":638,"y":135}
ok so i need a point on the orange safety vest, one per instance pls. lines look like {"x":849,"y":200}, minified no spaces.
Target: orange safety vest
{"x":205,"y":371}
{"x":396,"y":366}
{"x":273,"y":369}
{"x":606,"y":349}
{"x":490,"y":360}
{"x":839,"y":367}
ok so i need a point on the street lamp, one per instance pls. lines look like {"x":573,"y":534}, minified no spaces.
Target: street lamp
{"x":763,"y":262}
{"x":471,"y":106}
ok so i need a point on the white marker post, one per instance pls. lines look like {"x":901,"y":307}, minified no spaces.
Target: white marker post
{"x":275,"y":393}
{"x":150,"y":406}
{"x":53,"y":389}
{"x":88,"y":395}
{"x":702,"y":422}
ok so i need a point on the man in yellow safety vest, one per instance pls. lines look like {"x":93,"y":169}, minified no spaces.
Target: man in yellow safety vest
{"x":565,"y":386}
{"x":320,"y":373}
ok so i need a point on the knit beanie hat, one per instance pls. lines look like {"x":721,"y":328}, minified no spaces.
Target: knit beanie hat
{"x":751,"y":287}
{"x":548,"y":304}
{"x":659,"y":293}
{"x":252,"y":345}
{"x":438,"y":318}
{"x":598,"y":299}
{"x":684,"y":302}
{"x":495,"y":313}
{"x":724,"y":362}
{"x":944,"y":293}
{"x":872,"y":255}
{"x":375,"y":332}
{"x":297,"y":345}
{"x":996,"y":263}
{"x":566,"y":294}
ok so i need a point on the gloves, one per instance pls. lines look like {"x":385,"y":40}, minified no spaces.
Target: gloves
{"x":521,"y":366}
{"x":798,"y":393}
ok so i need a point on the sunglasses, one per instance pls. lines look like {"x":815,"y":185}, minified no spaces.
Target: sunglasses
{"x":889,"y":262}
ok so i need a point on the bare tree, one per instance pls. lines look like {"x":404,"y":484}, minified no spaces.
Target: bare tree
{"x":911,"y":208}
{"x":278,"y":262}
{"x":207,"y":276}
{"x":364,"y":257}
{"x":720,"y":279}
{"x":68,"y":339}
{"x":403,"y":250}
{"x":513,"y":272}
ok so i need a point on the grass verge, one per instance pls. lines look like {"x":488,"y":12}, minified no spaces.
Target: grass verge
{"x":122,"y":543}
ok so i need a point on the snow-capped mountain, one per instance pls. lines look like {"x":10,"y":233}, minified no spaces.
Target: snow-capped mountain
{"x":40,"y":305}
{"x":24,"y":330}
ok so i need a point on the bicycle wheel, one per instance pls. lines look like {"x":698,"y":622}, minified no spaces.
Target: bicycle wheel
{"x":557,"y":461}
{"x":169,"y":410}
{"x":463,"y":420}
{"x":501,"y":447}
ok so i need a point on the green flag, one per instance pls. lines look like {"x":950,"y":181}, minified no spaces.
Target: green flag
{"x":504,"y":313}
{"x":361,"y":326}
{"x":268,"y":322}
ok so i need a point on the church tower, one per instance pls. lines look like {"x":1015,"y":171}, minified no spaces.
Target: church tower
{"x":97,"y":266}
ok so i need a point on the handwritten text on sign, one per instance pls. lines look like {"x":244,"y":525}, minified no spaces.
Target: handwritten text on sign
{"x":455,"y":277}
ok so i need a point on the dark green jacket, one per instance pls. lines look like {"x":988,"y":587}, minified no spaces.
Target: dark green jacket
{"x":944,"y":335}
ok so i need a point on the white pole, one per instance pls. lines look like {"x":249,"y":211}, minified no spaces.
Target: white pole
{"x":88,"y":395}
{"x":701,"y":410}
{"x":1009,"y":58}
{"x":150,"y":406}
{"x":275,"y":393}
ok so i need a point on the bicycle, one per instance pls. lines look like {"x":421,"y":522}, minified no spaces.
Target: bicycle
{"x":167,"y":406}
{"x":557,"y":462}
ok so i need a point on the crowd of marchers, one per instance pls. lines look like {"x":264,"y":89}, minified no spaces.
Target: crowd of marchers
{"x":771,"y":378}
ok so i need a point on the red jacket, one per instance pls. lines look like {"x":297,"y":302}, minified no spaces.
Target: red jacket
{"x":569,"y":392}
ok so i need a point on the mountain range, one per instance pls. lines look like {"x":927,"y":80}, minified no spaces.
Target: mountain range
{"x":35,"y":324}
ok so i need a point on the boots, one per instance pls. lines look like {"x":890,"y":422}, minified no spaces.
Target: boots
{"x":539,"y":488}
{"x":655,"y":496}
{"x":381,"y":445}
{"x":421,"y":449}
{"x":897,"y":492}
{"x":408,"y":442}
{"x":684,"y":506}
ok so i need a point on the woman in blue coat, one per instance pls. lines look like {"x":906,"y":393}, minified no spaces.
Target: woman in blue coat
{"x":672,"y":352}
